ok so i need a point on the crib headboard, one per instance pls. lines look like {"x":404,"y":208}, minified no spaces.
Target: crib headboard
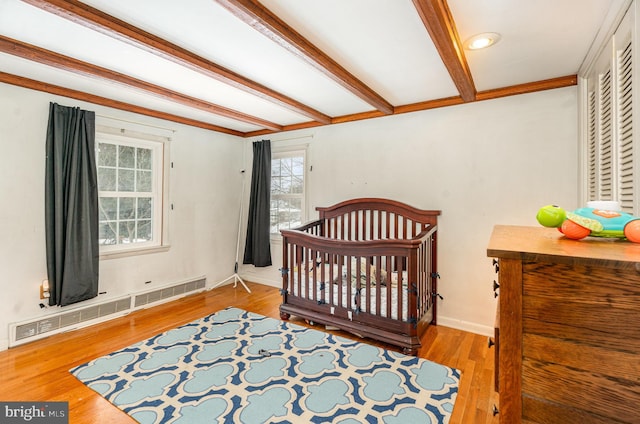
{"x":374,"y":219}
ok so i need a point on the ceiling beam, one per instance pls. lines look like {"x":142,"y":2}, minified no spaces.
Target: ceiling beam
{"x":262,"y":19}
{"x":97,"y":20}
{"x":103,"y":101}
{"x":530,"y":87}
{"x":46,"y":57}
{"x":553,"y":83}
{"x":436,"y":17}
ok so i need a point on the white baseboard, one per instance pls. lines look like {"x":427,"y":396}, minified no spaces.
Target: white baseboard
{"x":4,"y":344}
{"x":471,"y":327}
{"x":261,"y":279}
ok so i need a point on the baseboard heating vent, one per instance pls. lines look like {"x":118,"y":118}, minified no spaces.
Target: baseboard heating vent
{"x":69,"y":319}
{"x":167,"y":292}
{"x":23,"y":332}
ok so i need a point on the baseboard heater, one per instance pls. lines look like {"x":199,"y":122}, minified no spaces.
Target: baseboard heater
{"x":24,"y":332}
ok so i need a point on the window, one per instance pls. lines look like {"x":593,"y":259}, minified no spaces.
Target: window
{"x":287,"y":190}
{"x":130,"y":192}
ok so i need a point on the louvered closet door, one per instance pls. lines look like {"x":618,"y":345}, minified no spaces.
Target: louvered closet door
{"x":626,"y":165}
{"x":605,"y":163}
{"x":611,"y":162}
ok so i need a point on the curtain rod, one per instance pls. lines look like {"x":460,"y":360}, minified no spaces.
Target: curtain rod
{"x":294,"y":138}
{"x":136,"y":122}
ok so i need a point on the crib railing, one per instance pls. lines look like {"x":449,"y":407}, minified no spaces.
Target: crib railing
{"x":374,"y":219}
{"x":389,"y":283}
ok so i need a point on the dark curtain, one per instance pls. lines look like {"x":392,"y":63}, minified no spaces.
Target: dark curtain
{"x":71,"y":206}
{"x":257,"y":249}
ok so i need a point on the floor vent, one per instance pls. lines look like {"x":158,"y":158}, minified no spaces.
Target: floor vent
{"x":167,"y":292}
{"x":72,"y":318}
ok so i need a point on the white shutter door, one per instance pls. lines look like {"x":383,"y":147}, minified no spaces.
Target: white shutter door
{"x":625,"y":128}
{"x":592,"y":148}
{"x":606,"y":137}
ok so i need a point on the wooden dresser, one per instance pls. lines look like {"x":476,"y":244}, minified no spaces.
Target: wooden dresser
{"x":569,"y":327}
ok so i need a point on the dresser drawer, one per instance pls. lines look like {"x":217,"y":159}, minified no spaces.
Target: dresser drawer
{"x":577,"y":357}
{"x":579,"y":303}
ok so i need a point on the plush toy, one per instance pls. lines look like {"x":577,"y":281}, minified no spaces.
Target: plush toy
{"x":599,"y":219}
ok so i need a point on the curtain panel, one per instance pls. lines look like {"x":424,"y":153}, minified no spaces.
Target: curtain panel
{"x":71,"y":205}
{"x":257,"y":249}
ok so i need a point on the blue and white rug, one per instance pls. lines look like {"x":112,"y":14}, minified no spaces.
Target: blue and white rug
{"x":239,"y":367}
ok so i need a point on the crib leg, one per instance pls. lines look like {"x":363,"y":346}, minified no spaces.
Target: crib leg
{"x":284,"y":316}
{"x":409,"y":351}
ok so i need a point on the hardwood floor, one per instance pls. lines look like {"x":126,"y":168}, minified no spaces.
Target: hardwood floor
{"x":39,"y":371}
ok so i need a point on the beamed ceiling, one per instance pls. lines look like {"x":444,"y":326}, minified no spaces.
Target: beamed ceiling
{"x":250,"y":68}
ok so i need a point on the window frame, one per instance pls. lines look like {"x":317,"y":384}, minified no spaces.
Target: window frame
{"x":287,"y":152}
{"x":159,"y":146}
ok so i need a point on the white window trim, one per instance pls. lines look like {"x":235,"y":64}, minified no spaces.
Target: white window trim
{"x":290,"y":151}
{"x":125,"y":136}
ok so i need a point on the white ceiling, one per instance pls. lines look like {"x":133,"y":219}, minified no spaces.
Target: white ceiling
{"x":383,"y":43}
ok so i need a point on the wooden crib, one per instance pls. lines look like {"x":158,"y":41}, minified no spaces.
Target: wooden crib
{"x":367,"y":266}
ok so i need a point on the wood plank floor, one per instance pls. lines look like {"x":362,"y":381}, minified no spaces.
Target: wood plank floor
{"x":39,"y":371}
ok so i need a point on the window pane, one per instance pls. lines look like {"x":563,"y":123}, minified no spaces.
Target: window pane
{"x":297,"y":166}
{"x":285,"y":184}
{"x":144,"y":231}
{"x":127,"y":231}
{"x":285,"y":213}
{"x":273,"y":216}
{"x":127,"y":209}
{"x":145,"y":160}
{"x":107,"y":154}
{"x":144,"y":207}
{"x":126,"y":157}
{"x":143,"y":181}
{"x":297,"y":184}
{"x":126,"y":180}
{"x":295,"y":212}
{"x":107,"y":179}
{"x":108,"y":208}
{"x":276,"y":185}
{"x":107,"y":233}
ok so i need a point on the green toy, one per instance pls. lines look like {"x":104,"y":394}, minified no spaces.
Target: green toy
{"x":600,"y":219}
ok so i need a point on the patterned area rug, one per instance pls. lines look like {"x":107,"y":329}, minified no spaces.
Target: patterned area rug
{"x":239,"y":367}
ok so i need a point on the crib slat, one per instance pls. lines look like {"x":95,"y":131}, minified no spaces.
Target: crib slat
{"x":312,"y":273}
{"x":296,"y":261}
{"x":400,"y":288}
{"x":328,"y":281}
{"x":372,"y":226}
{"x":403,"y":224}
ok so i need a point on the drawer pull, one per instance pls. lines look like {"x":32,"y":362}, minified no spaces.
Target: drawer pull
{"x":496,"y":286}
{"x":496,"y":265}
{"x":490,"y":343}
{"x":494,"y":410}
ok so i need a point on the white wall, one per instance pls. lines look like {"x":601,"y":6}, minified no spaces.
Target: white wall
{"x":204,"y":182}
{"x":486,"y":163}
{"x":482,"y":164}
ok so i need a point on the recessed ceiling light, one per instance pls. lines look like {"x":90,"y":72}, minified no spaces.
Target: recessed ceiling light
{"x":482,"y":41}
